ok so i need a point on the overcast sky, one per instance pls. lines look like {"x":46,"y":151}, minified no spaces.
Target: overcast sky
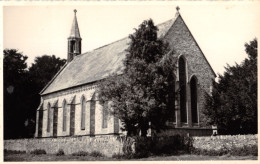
{"x":220,"y":29}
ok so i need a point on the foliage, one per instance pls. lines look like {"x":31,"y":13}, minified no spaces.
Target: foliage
{"x":233,"y":104}
{"x":119,"y":156}
{"x":96,"y":154}
{"x":147,"y":146}
{"x":13,"y":152}
{"x":15,"y":91}
{"x":44,"y":68}
{"x":143,"y":92}
{"x":80,"y":153}
{"x":38,"y":152}
{"x":21,"y":90}
{"x":60,"y":152}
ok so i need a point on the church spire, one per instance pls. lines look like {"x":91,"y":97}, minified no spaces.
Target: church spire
{"x":75,"y":28}
{"x":74,"y":40}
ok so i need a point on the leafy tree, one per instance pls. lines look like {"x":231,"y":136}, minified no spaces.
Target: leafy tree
{"x":144,"y":91}
{"x":21,"y":90}
{"x":15,"y":72}
{"x":44,"y":68}
{"x":233,"y":104}
{"x":40,"y":73}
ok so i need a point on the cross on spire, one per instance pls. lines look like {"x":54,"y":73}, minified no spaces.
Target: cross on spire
{"x":75,"y":11}
{"x":177,"y":8}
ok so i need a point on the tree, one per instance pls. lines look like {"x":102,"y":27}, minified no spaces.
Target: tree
{"x":144,"y":91}
{"x":15,"y":72}
{"x":44,"y":68}
{"x":233,"y":104}
{"x":21,"y":90}
{"x":40,"y":73}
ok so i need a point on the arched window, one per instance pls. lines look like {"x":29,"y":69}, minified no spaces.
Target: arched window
{"x":64,"y":125}
{"x":83,"y":112}
{"x":194,"y":99}
{"x":49,"y":117}
{"x":105,"y":114}
{"x":182,"y":80}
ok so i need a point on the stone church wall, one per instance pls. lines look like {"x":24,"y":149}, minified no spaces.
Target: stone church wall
{"x":109,"y":145}
{"x":93,"y":115}
{"x":106,"y":144}
{"x":182,"y":41}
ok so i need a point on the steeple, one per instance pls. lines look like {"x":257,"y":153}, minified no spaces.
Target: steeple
{"x":75,"y":28}
{"x":74,"y":40}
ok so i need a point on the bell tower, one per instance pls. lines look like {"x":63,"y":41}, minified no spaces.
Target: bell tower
{"x":74,"y":40}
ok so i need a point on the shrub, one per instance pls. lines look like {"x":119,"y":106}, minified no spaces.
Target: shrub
{"x":118,"y":156}
{"x":96,"y":154}
{"x":14,"y":151}
{"x":38,"y":152}
{"x":80,"y":153}
{"x":146,"y":146}
{"x":143,"y":146}
{"x":60,"y":152}
{"x":127,"y":145}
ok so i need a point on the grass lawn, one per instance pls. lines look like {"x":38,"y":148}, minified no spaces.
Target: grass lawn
{"x":50,"y":157}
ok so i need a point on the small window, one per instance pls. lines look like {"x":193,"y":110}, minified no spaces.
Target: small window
{"x":49,"y":117}
{"x":182,"y":79}
{"x":83,"y":111}
{"x":194,"y":99}
{"x":105,"y":115}
{"x":64,"y":115}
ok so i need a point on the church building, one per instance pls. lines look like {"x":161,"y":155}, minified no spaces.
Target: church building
{"x":69,"y":102}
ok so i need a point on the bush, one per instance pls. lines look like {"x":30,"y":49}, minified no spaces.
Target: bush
{"x":60,"y":152}
{"x":38,"y":152}
{"x":14,"y":151}
{"x":127,"y":145}
{"x":143,"y":147}
{"x":147,"y":146}
{"x":80,"y":153}
{"x":96,"y":154}
{"x":118,"y":156}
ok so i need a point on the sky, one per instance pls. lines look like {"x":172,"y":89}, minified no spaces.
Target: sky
{"x":220,"y":28}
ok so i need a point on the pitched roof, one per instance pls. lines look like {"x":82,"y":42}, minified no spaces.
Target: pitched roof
{"x":97,"y":64}
{"x":74,"y":32}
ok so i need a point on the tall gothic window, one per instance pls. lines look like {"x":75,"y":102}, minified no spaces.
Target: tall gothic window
{"x":64,"y":125}
{"x":194,"y":99}
{"x":182,"y":78}
{"x":105,"y":115}
{"x":49,"y":117}
{"x":83,"y":112}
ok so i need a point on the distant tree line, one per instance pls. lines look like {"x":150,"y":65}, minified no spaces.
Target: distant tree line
{"x":22,"y":85}
{"x":233,"y":104}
